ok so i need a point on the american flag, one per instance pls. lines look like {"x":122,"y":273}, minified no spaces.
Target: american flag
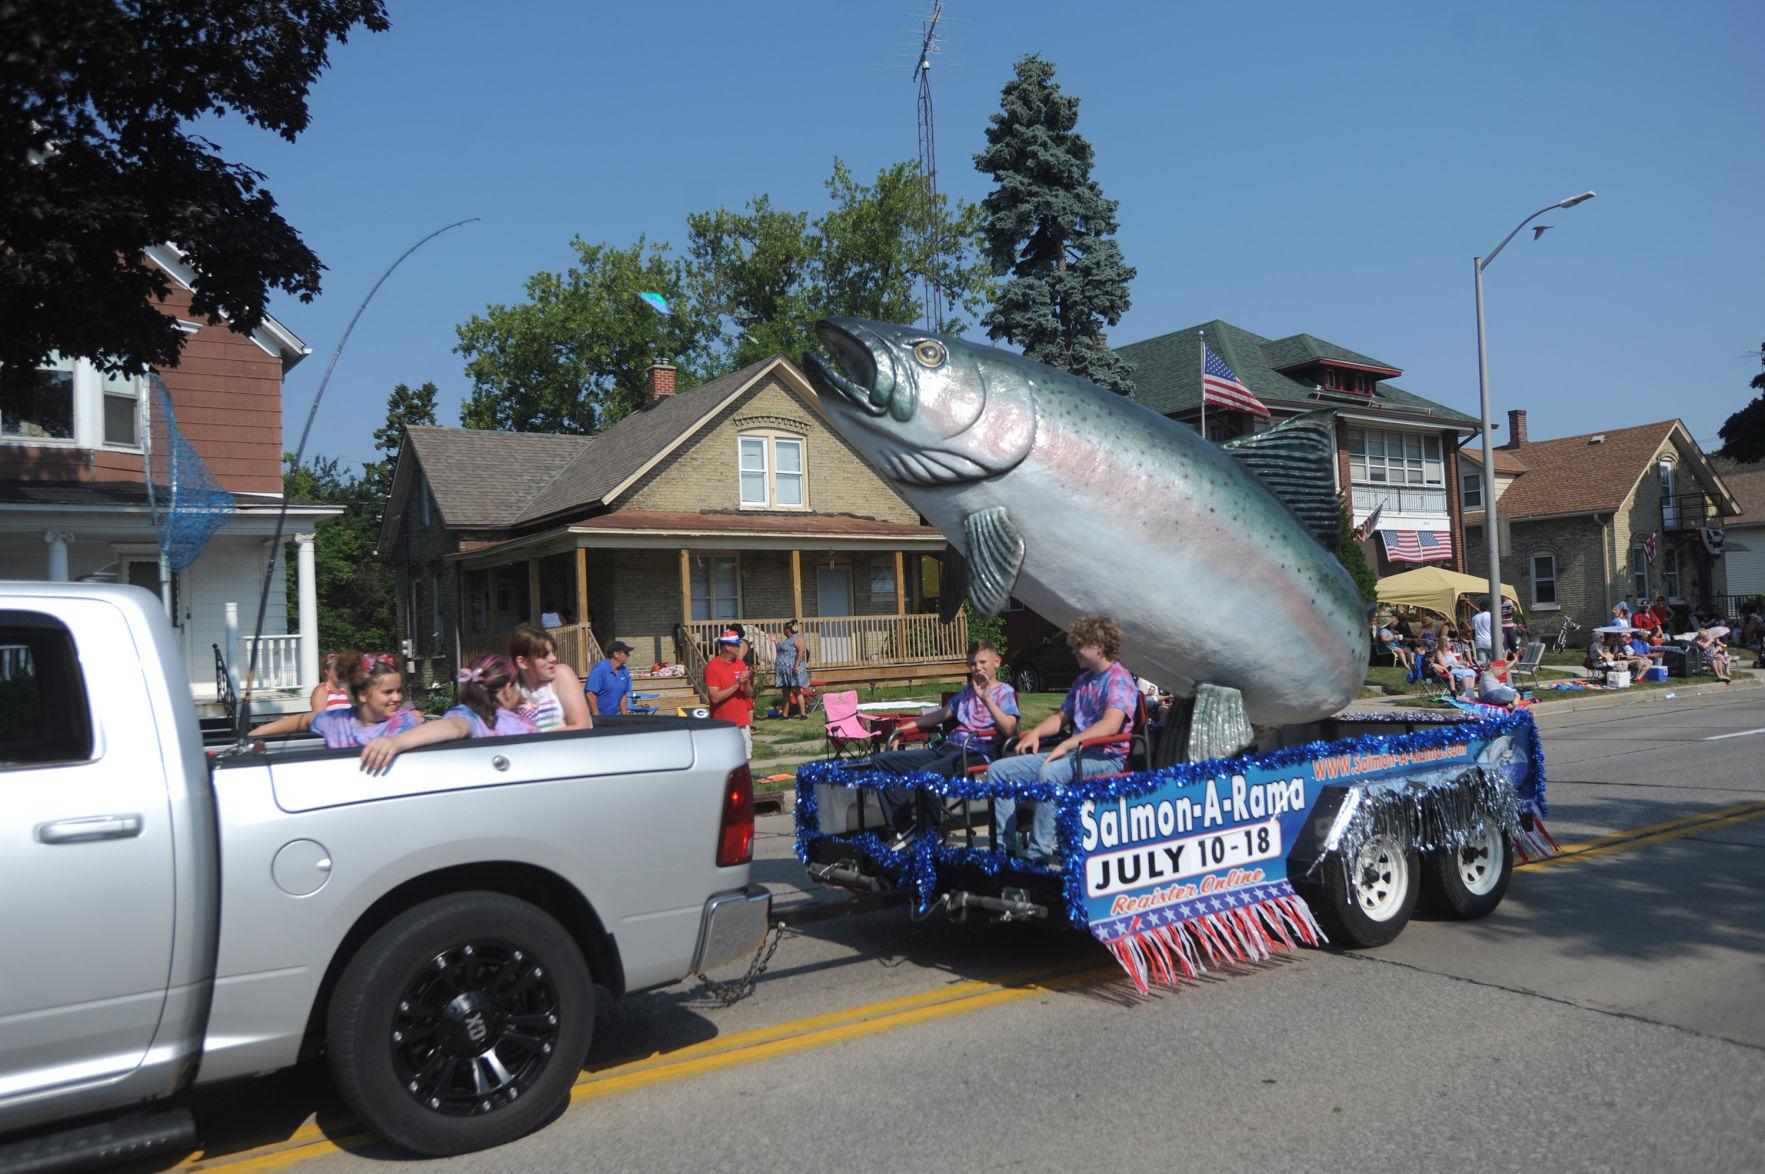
{"x":1365,"y":530}
{"x":1651,"y":547}
{"x":1221,"y":387}
{"x":1417,"y":546}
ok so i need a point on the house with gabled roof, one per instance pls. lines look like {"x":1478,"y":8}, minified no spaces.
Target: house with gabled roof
{"x":727,"y":502}
{"x":1582,"y":521}
{"x":1397,"y":452}
{"x":1744,"y":545}
{"x":82,"y":452}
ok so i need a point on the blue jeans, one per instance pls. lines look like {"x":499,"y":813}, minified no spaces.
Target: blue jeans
{"x":1024,"y":768}
{"x":897,"y":802}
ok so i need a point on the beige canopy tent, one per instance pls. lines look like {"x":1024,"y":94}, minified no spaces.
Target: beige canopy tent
{"x":1436,"y":589}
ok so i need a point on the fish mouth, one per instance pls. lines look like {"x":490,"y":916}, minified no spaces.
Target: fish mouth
{"x":861,"y":375}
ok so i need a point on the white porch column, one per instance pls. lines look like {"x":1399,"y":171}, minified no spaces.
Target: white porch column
{"x":57,"y":541}
{"x":307,"y":579}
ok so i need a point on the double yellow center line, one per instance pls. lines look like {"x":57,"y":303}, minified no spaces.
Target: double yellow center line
{"x":818,"y":1031}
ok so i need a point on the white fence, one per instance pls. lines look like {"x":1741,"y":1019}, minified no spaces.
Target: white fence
{"x":278,"y":661}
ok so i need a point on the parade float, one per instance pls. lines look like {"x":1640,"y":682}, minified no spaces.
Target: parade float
{"x":1256,"y":816}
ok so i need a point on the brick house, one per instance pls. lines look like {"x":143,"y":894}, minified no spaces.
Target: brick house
{"x":1574,"y":515}
{"x":1394,"y":448}
{"x":74,"y":452}
{"x":731,"y":501}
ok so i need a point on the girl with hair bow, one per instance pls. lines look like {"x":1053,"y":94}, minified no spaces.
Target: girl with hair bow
{"x":374,"y":705}
{"x":487,"y":705}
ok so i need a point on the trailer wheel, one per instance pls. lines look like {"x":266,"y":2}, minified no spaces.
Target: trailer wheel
{"x":1368,"y":900}
{"x":1470,"y":882}
{"x":461,"y":1024}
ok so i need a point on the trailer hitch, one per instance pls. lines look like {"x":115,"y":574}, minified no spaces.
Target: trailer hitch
{"x":1010,"y":905}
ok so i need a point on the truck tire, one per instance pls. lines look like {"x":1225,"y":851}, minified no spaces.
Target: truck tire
{"x":461,"y":1024}
{"x":1470,"y":882}
{"x":1367,"y":901}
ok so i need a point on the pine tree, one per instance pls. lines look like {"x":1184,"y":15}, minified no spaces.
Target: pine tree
{"x":1050,"y":230}
{"x":1354,"y":559}
{"x":405,"y":406}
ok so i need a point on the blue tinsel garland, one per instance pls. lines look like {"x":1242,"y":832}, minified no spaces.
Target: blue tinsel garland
{"x":919,"y":864}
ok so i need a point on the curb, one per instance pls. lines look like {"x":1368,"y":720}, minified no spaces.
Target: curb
{"x":1572,"y":704}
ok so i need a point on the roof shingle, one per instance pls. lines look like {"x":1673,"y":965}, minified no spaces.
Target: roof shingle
{"x":1573,"y":475}
{"x":1167,"y":372}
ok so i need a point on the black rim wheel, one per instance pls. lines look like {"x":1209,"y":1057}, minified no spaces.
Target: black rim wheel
{"x":475,"y":1028}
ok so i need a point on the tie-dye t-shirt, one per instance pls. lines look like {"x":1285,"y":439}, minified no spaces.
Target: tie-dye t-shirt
{"x":340,"y":729}
{"x":508,"y":721}
{"x":1095,"y":693}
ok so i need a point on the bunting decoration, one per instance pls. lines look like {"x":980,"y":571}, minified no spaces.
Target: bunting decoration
{"x":1713,"y":537}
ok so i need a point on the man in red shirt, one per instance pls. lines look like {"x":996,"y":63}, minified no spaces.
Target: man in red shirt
{"x":730,"y":686}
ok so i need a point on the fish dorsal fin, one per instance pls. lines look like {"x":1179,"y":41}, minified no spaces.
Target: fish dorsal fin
{"x":995,"y":555}
{"x":1296,"y":460}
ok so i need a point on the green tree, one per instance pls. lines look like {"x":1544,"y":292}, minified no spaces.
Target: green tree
{"x":1354,"y":559}
{"x":572,"y":357}
{"x":406,"y":405}
{"x":1050,"y":231}
{"x":355,"y":588}
{"x":1743,"y":434}
{"x":768,"y":274}
{"x":97,"y":163}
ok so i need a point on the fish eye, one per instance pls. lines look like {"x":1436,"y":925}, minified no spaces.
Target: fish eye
{"x":929,"y":353}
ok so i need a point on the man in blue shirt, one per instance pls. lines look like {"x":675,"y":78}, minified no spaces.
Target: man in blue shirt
{"x":1102,"y":702}
{"x":609,"y":681}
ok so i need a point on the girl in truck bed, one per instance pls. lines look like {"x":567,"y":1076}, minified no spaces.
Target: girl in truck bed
{"x":376,"y":693}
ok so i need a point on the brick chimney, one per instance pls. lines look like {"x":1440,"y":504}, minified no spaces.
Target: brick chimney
{"x":659,"y":383}
{"x":1516,"y":428}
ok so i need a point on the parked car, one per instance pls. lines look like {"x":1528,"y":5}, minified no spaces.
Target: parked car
{"x":1049,"y":666}
{"x":437,"y":930}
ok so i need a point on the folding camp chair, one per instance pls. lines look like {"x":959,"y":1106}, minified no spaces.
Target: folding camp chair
{"x":849,"y":733}
{"x":1528,"y":664}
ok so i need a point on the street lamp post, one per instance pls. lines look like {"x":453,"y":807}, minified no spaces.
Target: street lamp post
{"x":1492,"y":542}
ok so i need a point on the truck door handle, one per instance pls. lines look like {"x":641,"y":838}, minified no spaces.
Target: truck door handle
{"x":96,"y":827}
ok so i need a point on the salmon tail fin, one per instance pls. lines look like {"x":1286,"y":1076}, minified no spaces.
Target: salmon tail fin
{"x":1296,"y":460}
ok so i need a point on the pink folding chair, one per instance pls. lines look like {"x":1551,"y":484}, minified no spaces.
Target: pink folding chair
{"x":849,"y":733}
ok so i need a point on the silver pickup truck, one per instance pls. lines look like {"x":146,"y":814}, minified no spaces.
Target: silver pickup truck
{"x":437,"y":930}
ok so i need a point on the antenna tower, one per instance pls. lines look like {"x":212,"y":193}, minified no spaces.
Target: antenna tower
{"x":928,"y":167}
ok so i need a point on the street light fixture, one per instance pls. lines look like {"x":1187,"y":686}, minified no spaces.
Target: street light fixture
{"x":1493,"y":543}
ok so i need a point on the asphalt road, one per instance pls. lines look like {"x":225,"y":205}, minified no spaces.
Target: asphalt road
{"x":1610,"y":1015}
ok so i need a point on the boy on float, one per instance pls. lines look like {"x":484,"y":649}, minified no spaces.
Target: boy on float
{"x":1101,"y":702}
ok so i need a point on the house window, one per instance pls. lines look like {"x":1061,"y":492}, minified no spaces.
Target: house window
{"x":1669,"y":503}
{"x":423,"y":497}
{"x":121,"y":396}
{"x":1639,"y":573}
{"x":410,"y":616}
{"x":1402,"y":471}
{"x":716,"y":588}
{"x":40,"y":406}
{"x":771,"y":470}
{"x":1670,"y":573}
{"x":882,"y":581}
{"x":1471,"y":487}
{"x":1544,"y":580}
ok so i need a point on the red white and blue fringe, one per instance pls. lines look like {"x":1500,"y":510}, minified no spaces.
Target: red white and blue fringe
{"x":1180,"y":942}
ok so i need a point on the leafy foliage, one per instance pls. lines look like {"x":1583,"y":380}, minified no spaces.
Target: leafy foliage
{"x":1743,"y":434}
{"x":986,"y":628}
{"x":355,"y":588}
{"x":1354,"y":559}
{"x":96,"y":164}
{"x":1050,"y":230}
{"x":405,"y":406}
{"x":572,"y":357}
{"x":752,"y":282}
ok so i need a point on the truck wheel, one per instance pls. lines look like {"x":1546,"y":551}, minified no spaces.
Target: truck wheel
{"x":462,"y":1024}
{"x":1470,"y":882}
{"x":1367,"y":901}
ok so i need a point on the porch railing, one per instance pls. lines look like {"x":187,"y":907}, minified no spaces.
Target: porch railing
{"x":847,"y":641}
{"x":576,"y":645}
{"x":278,"y":661}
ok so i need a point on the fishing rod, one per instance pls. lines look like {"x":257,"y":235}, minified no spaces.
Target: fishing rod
{"x":243,"y":720}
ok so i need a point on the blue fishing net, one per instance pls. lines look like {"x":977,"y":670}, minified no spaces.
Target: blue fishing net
{"x":189,"y":505}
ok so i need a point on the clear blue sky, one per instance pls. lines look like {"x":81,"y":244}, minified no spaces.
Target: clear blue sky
{"x":1285,"y":166}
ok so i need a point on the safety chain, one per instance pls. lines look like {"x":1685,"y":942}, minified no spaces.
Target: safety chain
{"x":736,"y":989}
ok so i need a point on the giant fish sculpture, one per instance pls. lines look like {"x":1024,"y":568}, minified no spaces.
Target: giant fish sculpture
{"x":1077,"y":500}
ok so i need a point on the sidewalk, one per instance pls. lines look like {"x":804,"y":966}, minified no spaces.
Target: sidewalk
{"x":1700,"y":687}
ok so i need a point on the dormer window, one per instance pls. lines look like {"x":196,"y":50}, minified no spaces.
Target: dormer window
{"x":1342,"y":379}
